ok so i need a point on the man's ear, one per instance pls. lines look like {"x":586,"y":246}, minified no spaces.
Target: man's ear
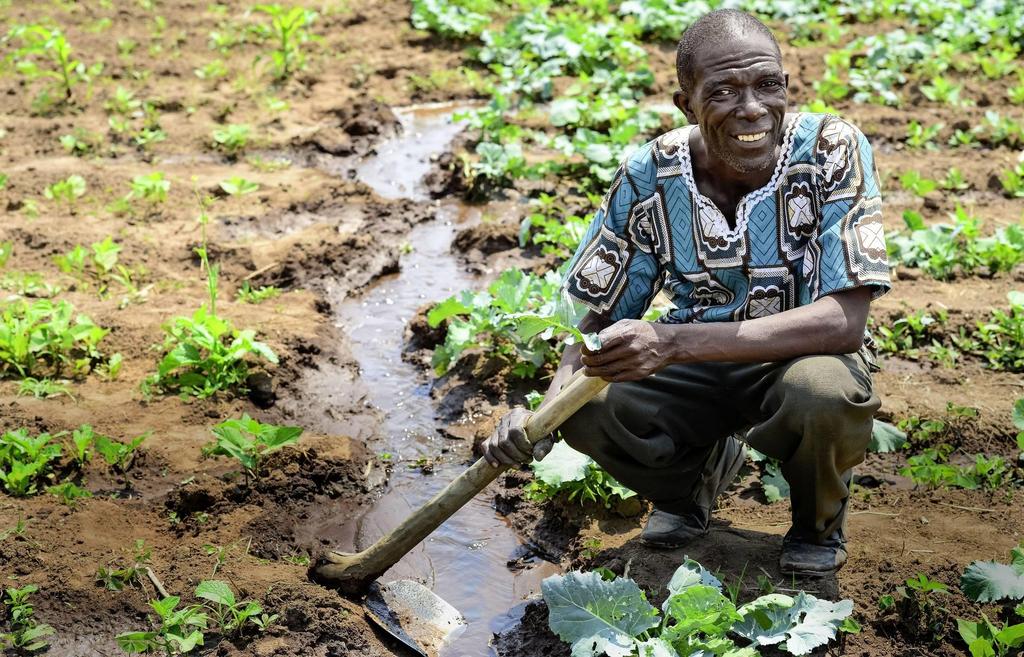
{"x":682,"y":101}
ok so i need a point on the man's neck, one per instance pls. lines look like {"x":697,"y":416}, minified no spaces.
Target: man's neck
{"x":721,"y":176}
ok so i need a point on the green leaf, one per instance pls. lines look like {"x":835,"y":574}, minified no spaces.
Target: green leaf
{"x":989,"y":581}
{"x":774,"y":484}
{"x":691,"y":573}
{"x":804,"y":625}
{"x":1018,"y":414}
{"x":595,"y":616}
{"x":699,"y":608}
{"x":447,"y":308}
{"x":886,"y":438}
{"x":564,"y":111}
{"x":1012,"y":636}
{"x":561,"y":465}
{"x":216,"y":591}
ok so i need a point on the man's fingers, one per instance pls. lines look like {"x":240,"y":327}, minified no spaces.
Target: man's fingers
{"x":606,"y":356}
{"x":521,"y":442}
{"x":542,"y":448}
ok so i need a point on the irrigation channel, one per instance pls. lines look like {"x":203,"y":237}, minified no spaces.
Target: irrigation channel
{"x":464,"y":561}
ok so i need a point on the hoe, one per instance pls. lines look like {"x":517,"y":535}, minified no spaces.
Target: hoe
{"x":407,"y":608}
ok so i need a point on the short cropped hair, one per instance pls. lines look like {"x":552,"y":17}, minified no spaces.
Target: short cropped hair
{"x":713,"y":25}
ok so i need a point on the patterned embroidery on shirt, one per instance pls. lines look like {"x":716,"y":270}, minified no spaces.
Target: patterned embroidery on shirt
{"x":599,"y":275}
{"x":771,"y":291}
{"x":648,"y":228}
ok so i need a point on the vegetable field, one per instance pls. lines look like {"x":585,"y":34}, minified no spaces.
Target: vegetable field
{"x":269,"y":275}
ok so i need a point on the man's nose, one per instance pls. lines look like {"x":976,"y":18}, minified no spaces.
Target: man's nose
{"x":751,"y":107}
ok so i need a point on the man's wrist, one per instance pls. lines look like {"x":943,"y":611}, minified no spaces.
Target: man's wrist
{"x":675,"y":341}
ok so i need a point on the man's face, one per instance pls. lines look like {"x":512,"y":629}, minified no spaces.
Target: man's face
{"x":739,"y":100}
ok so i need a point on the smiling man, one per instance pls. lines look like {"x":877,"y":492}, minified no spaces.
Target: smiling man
{"x":764,"y":228}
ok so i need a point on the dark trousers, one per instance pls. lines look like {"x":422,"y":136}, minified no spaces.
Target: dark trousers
{"x":813,"y":413}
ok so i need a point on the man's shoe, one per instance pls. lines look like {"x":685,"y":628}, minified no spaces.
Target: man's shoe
{"x":666,"y":530}
{"x":810,"y":559}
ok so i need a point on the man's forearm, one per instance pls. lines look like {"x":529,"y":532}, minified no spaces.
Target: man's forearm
{"x":831,"y":325}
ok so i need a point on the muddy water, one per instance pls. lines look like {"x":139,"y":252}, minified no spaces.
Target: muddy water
{"x":464,"y":561}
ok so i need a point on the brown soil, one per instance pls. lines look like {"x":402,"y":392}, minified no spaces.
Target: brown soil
{"x":316,"y":233}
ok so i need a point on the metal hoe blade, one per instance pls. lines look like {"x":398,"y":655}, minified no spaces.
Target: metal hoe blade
{"x":414,"y":615}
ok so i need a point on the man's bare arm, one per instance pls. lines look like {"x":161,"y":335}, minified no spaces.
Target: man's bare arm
{"x":633,"y":349}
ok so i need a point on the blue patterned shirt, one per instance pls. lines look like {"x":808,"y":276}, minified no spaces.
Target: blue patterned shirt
{"x":814,"y":229}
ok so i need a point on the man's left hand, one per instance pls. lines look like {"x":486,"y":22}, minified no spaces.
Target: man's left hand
{"x":631,"y":349}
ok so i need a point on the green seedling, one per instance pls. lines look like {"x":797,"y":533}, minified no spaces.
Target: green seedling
{"x":47,"y":337}
{"x":213,"y":70}
{"x":231,"y":615}
{"x":151,"y":187}
{"x":123,"y":102}
{"x":250,"y":441}
{"x":954,"y":180}
{"x":289,"y":27}
{"x":232,"y":138}
{"x":68,"y":492}
{"x":238,"y":186}
{"x":248,"y":294}
{"x":1000,"y":340}
{"x":919,"y":136}
{"x":553,"y":229}
{"x":943,"y":91}
{"x":45,"y":54}
{"x":452,"y":20}
{"x":918,"y":602}
{"x":1012,"y":181}
{"x":177,"y":631}
{"x":912,"y":181}
{"x":26,"y":633}
{"x":117,"y":579}
{"x":67,"y":191}
{"x":118,"y":455}
{"x":81,"y":142}
{"x":43,"y":388}
{"x":26,"y":461}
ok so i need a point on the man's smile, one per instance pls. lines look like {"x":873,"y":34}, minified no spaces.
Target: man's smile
{"x":751,"y":137}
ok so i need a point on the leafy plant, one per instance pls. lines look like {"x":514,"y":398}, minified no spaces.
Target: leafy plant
{"x":26,"y":634}
{"x":289,"y":26}
{"x":68,"y":492}
{"x":47,"y":336}
{"x":553,"y":229}
{"x":919,"y":136}
{"x":1000,"y":340}
{"x":564,"y":471}
{"x":991,"y":581}
{"x":26,"y":461}
{"x":43,"y":388}
{"x":230,"y":614}
{"x":931,"y":469}
{"x":119,"y":455}
{"x":249,"y":294}
{"x":455,"y":20}
{"x":507,"y":321}
{"x":250,"y":441}
{"x":918,"y":603}
{"x":177,"y":631}
{"x":913,"y":181}
{"x":151,"y":187}
{"x":598,"y":616}
{"x":232,"y":138}
{"x":46,"y":54}
{"x":68,"y":190}
{"x":1013,"y":181}
{"x":117,"y":579}
{"x":238,"y":186}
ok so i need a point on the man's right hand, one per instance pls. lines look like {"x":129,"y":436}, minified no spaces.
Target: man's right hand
{"x":508,"y":445}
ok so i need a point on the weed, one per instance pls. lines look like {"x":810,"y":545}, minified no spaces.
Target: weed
{"x":26,"y":634}
{"x":250,"y":441}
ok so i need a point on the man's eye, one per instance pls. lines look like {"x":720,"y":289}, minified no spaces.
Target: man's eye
{"x":721,"y":93}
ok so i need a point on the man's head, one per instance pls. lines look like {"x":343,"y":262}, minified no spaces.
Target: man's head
{"x":733,"y":86}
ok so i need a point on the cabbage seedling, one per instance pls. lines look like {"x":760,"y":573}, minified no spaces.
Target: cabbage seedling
{"x":238,"y":186}
{"x":250,"y":441}
{"x":288,"y":25}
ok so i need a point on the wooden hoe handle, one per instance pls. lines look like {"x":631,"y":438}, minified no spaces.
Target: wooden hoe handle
{"x":352,"y":573}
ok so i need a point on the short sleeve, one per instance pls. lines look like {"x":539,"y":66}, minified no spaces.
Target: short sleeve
{"x":848,"y":248}
{"x":611,"y":273}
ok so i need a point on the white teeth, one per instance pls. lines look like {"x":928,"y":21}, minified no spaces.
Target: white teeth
{"x":755,"y":137}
